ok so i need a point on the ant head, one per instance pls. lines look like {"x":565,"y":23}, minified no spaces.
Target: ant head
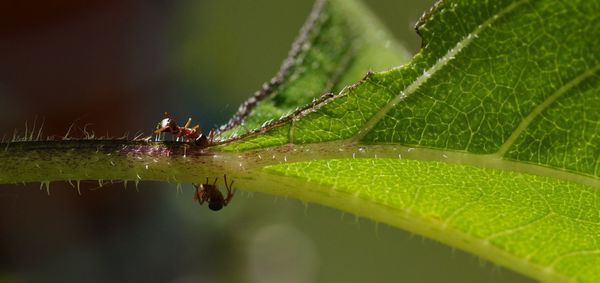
{"x":215,"y":205}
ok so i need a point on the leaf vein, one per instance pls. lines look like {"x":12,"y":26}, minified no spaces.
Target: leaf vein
{"x":543,"y":106}
{"x":440,"y":63}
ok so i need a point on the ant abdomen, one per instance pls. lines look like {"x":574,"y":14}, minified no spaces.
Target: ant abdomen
{"x":210,"y":193}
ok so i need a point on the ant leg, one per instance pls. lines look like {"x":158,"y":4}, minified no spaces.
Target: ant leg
{"x":230,"y":191}
{"x":230,"y":194}
{"x":187,"y":124}
{"x":215,"y":182}
{"x":228,"y":187}
{"x":196,"y":194}
{"x":211,"y":136}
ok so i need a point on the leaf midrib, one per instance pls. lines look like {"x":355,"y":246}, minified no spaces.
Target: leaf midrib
{"x":349,"y":149}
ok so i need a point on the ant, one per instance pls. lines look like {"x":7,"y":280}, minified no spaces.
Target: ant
{"x":194,"y":134}
{"x":211,"y":194}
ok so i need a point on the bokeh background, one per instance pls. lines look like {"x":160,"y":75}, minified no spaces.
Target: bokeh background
{"x":112,"y":67}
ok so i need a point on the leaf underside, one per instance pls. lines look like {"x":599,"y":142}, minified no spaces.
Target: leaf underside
{"x":489,"y":136}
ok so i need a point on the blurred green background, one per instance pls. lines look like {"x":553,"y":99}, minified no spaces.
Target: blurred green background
{"x":113,"y":67}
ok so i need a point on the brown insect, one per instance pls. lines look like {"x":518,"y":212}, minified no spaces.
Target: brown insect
{"x":210,"y":193}
{"x":193,"y":134}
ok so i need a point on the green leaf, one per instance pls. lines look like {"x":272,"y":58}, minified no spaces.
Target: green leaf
{"x":488,"y":140}
{"x":339,"y":43}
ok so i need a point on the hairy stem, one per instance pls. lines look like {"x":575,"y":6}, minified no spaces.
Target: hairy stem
{"x":66,"y":160}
